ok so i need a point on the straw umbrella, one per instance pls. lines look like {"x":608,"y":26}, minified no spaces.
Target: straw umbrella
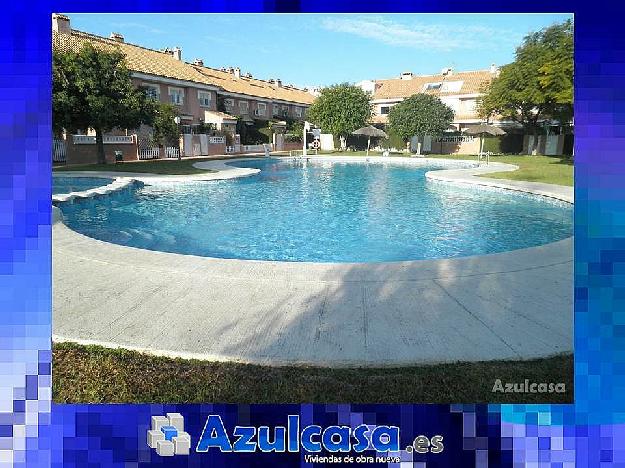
{"x":370,"y":131}
{"x":484,"y":129}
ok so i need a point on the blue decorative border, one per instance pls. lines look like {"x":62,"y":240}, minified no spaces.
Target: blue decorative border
{"x":589,"y":433}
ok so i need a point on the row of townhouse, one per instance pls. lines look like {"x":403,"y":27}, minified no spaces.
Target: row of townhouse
{"x":201,"y":94}
{"x":459,"y":90}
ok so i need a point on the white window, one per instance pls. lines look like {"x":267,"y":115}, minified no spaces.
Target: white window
{"x":243,"y":105}
{"x":176,"y":96}
{"x":229,"y":103}
{"x":297,"y":111}
{"x":261,"y":108}
{"x":276,"y":109}
{"x":152,"y":91}
{"x":205,"y":98}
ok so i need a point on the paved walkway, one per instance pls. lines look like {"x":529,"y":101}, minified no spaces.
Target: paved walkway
{"x":502,"y":306}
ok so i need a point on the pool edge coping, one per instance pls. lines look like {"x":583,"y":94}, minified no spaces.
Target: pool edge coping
{"x":117,"y":184}
{"x":542,"y":253}
{"x":455,"y":175}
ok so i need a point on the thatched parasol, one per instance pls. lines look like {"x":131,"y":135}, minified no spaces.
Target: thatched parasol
{"x":484,"y":129}
{"x":370,"y":131}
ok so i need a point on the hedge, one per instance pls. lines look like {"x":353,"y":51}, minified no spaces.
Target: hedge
{"x":510,"y":143}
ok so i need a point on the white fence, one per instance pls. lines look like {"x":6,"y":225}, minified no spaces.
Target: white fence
{"x":217,"y":140}
{"x":229,"y":149}
{"x":149,"y":153}
{"x":171,"y":152}
{"x":59,"y":151}
{"x":108,"y":139}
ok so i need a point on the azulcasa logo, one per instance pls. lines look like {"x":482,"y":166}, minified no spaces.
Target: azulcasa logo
{"x":167,"y":435}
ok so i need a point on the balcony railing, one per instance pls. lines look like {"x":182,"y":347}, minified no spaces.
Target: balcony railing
{"x":454,"y":139}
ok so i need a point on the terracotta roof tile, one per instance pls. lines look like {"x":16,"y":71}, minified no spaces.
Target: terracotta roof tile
{"x":472,"y":83}
{"x":161,"y":63}
{"x":254,"y":87}
{"x":222,"y":115}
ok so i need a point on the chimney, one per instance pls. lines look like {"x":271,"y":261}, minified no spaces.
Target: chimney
{"x":279,"y":83}
{"x":60,"y":24}
{"x":237,"y":72}
{"x":177,"y":53}
{"x":406,"y":76}
{"x":447,"y":71}
{"x":493,"y":69}
{"x":271,"y":81}
{"x":116,"y":37}
{"x":198,"y":62}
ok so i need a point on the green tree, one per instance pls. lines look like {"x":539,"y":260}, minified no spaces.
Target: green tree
{"x":420,"y":114}
{"x":165,"y":130}
{"x":538,"y":85}
{"x":92,"y":88}
{"x":341,"y":109}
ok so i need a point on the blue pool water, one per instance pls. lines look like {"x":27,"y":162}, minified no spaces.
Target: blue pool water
{"x":69,"y":184}
{"x":323,"y":212}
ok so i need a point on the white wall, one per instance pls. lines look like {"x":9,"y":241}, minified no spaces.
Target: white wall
{"x":327,"y":142}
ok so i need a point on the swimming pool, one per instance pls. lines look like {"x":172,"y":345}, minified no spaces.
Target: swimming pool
{"x":67,"y":184}
{"x":323,"y":212}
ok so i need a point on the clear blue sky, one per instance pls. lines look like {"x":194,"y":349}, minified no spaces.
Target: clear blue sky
{"x":317,"y":50}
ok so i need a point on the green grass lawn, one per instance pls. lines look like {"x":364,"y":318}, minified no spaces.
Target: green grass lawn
{"x":92,"y":374}
{"x":548,"y":169}
{"x":156,"y":166}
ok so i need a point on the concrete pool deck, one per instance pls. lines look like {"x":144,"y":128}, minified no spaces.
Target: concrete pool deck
{"x":511,"y":305}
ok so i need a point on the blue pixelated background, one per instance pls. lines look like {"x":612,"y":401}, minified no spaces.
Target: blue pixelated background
{"x":589,"y":433}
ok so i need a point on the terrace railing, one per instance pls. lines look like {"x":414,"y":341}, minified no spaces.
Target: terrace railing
{"x":108,"y":139}
{"x":454,"y":139}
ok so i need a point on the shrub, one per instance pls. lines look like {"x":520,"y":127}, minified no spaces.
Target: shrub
{"x":203,"y":128}
{"x":393,"y":141}
{"x":292,"y":138}
{"x":254,"y":134}
{"x":510,"y":143}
